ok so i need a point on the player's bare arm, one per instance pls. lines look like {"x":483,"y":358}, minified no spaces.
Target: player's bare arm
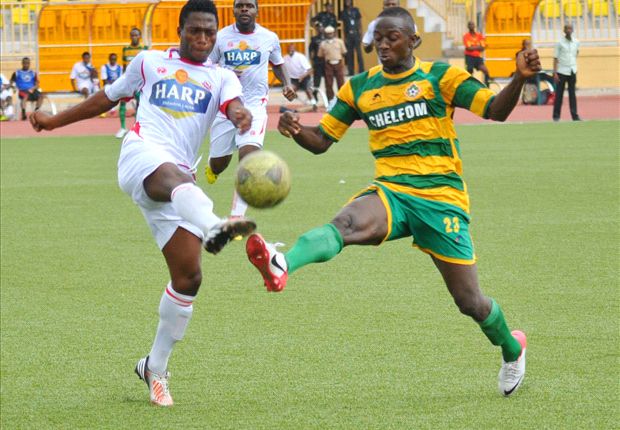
{"x":309,"y":138}
{"x":528,"y":65}
{"x":282,"y":75}
{"x":239,"y":115}
{"x":89,"y":108}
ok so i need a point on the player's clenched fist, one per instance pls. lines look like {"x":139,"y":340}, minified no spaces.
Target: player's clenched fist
{"x":528,"y":63}
{"x":289,"y":93}
{"x":41,"y":121}
{"x":288,"y":125}
{"x":242,"y":118}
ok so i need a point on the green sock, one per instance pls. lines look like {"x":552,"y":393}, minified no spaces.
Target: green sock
{"x":121,"y":113}
{"x":495,"y":328}
{"x":315,"y":246}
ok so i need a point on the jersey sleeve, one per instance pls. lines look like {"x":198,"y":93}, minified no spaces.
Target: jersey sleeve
{"x":231,"y":87}
{"x":460,"y":89}
{"x":305,"y":63}
{"x":104,"y":73}
{"x":337,"y":121}
{"x":275,"y":57}
{"x":130,"y":82}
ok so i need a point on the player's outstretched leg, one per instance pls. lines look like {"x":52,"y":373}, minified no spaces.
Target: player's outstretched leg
{"x":227,"y":230}
{"x":317,"y":245}
{"x":193,"y":205}
{"x":512,"y":373}
{"x":269,"y":262}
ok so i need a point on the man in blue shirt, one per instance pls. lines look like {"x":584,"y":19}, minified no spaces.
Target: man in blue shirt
{"x":27,"y":83}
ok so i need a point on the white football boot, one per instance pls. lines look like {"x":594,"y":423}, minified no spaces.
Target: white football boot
{"x":511,"y":374}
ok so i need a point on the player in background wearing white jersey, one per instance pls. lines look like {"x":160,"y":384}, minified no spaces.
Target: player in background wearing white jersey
{"x":181,"y":93}
{"x":246,"y":48}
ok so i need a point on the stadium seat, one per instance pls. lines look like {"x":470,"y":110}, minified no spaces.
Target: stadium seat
{"x":573,"y":8}
{"x":550,"y":9}
{"x":502,"y":14}
{"x":20,"y":15}
{"x":598,"y":7}
{"x":102,"y":24}
{"x":74,"y":24}
{"x":525,"y":11}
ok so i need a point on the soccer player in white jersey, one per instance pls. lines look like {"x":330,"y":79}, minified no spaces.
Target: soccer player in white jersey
{"x":246,"y":48}
{"x":181,"y":91}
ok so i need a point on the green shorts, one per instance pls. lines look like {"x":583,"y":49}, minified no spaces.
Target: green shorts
{"x":439,"y":229}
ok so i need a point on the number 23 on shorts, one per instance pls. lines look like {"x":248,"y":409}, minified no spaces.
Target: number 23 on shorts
{"x":452,"y":224}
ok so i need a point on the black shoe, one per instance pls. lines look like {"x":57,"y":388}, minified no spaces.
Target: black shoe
{"x":556,"y":119}
{"x":577,"y":119}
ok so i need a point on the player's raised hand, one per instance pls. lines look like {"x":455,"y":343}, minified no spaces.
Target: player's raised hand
{"x":242,"y":118}
{"x":41,"y":121}
{"x":528,"y":63}
{"x":289,"y":93}
{"x":288,"y":125}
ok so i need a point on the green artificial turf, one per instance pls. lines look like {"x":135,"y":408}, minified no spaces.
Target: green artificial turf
{"x":370,"y":339}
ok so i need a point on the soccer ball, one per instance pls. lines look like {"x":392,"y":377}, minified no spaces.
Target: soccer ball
{"x":263,"y":179}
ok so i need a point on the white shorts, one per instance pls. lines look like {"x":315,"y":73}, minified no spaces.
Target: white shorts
{"x":5,"y":94}
{"x":88,"y":84}
{"x":225,"y":138}
{"x":138,"y":159}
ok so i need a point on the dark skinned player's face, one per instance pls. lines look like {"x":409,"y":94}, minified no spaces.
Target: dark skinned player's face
{"x":198,"y":36}
{"x":394,"y":42}
{"x":245,"y":12}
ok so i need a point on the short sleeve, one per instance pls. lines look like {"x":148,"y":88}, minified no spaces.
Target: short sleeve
{"x":556,"y":51}
{"x":304,"y":62}
{"x":460,"y":89}
{"x":104,"y":73}
{"x":275,"y":57}
{"x":130,"y":82}
{"x":337,"y":121}
{"x":74,"y":72}
{"x":231,"y":87}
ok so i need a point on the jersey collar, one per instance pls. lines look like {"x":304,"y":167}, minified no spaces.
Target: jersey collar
{"x":241,"y":32}
{"x":416,"y":66}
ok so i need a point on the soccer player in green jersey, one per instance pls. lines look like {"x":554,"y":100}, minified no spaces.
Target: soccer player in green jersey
{"x":129,"y":53}
{"x":418,"y":191}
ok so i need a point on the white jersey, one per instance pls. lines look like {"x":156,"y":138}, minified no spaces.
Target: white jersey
{"x":179,"y":99}
{"x":249,"y":55}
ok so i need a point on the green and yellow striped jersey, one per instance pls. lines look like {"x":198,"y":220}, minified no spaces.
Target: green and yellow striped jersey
{"x":409,"y":117}
{"x":131,"y":52}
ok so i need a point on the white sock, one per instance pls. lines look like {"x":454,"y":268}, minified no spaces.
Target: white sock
{"x":175,"y":311}
{"x":193,"y":205}
{"x":239,"y":207}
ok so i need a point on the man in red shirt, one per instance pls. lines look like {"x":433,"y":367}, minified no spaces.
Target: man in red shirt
{"x":474,"y":46}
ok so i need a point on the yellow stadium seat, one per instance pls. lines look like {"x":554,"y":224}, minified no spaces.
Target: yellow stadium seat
{"x":550,"y":9}
{"x":21,"y":15}
{"x":502,"y":13}
{"x":598,"y":7}
{"x":525,"y":11}
{"x":573,"y":8}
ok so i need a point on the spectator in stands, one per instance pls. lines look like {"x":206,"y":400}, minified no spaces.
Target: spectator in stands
{"x":565,"y":70}
{"x":6,"y":99}
{"x":27,"y":83}
{"x":129,"y":53}
{"x":475,"y":45}
{"x":110,"y":72}
{"x":84,"y":78}
{"x":368,"y":39}
{"x":352,"y":25}
{"x":332,"y":49}
{"x":318,"y":63}
{"x":299,"y":70}
{"x":327,"y":17}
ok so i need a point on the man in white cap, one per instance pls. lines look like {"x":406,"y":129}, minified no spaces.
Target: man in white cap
{"x":333,"y":50}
